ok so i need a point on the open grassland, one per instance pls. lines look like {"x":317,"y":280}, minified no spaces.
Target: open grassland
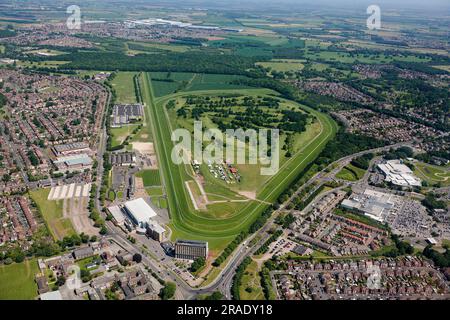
{"x":118,"y":135}
{"x":124,"y":86}
{"x":350,"y":173}
{"x":17,"y":281}
{"x":283,"y":65}
{"x":186,"y":222}
{"x":250,"y":288}
{"x":52,"y":212}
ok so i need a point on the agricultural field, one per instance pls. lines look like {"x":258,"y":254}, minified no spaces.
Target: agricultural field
{"x":52,"y":212}
{"x":17,"y":281}
{"x":218,"y":231}
{"x":433,"y":175}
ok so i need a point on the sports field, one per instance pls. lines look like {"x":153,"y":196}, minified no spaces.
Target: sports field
{"x":190,"y":224}
{"x":17,"y":281}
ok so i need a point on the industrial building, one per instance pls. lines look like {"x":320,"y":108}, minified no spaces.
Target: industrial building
{"x":71,"y":148}
{"x":141,"y":216}
{"x":399,"y":174}
{"x":123,"y":159}
{"x":126,"y":113}
{"x":191,"y":249}
{"x":117,"y":214}
{"x":139,"y":212}
{"x":73,"y":162}
{"x":155,"y":231}
{"x":371,"y":203}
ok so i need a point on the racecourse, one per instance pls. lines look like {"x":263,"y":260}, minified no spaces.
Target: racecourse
{"x":185,"y":222}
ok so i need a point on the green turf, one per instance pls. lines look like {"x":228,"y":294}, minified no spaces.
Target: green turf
{"x":17,"y":281}
{"x":150,"y":177}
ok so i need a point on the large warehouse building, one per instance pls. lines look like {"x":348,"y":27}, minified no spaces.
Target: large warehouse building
{"x":141,"y":215}
{"x":139,"y":212}
{"x":191,"y":249}
{"x":399,"y":174}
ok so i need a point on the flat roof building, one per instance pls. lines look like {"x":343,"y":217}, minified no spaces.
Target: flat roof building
{"x":126,"y":113}
{"x":155,"y":231}
{"x":399,"y":174}
{"x":371,"y":203}
{"x":123,"y":159}
{"x":70,"y":148}
{"x":191,"y":249}
{"x":73,"y":162}
{"x":140,"y":212}
{"x":54,"y":295}
{"x":117,"y":214}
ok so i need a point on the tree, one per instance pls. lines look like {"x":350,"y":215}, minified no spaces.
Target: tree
{"x":60,"y":281}
{"x":84,"y":238}
{"x":137,"y":258}
{"x":6,"y":178}
{"x":216,"y":295}
{"x":103,"y":230}
{"x":168,"y":291}
{"x":198,"y":264}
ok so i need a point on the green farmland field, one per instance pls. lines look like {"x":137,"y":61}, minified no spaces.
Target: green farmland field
{"x":17,"y":281}
{"x":190,"y":224}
